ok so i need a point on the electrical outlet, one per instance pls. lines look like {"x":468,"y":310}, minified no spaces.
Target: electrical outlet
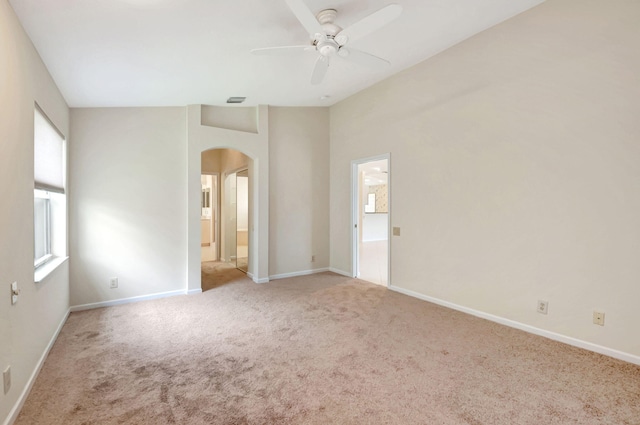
{"x":114,"y":283}
{"x":6,"y":378}
{"x":543,"y":307}
{"x":313,"y":258}
{"x":598,"y":318}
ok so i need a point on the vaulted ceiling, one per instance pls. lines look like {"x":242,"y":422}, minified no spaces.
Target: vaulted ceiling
{"x":179,"y":52}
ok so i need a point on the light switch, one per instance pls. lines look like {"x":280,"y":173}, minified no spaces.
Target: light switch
{"x":396,"y":231}
{"x":14,"y":292}
{"x":6,"y":378}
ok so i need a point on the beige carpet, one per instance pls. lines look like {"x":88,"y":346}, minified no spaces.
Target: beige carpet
{"x":321,"y":349}
{"x":216,"y":273}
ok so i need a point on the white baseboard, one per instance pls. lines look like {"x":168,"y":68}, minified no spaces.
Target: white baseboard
{"x":194,"y":291}
{"x":523,"y":327}
{"x":300,"y":273}
{"x":13,"y":414}
{"x":338,"y":271}
{"x":131,"y":300}
{"x":255,"y":278}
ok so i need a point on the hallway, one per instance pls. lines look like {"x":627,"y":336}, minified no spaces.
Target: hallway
{"x":373,"y":262}
{"x":216,"y":273}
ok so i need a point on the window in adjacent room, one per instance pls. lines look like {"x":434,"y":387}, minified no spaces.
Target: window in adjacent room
{"x":49,"y":199}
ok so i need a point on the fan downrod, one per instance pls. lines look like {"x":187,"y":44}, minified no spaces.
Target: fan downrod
{"x":326,"y":18}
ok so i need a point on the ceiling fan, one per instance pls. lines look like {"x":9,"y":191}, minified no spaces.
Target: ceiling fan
{"x":329,"y":40}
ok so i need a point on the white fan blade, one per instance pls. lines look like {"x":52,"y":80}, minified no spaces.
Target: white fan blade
{"x":306,"y":17}
{"x":363,"y":58}
{"x":319,"y":71}
{"x":369,"y":24}
{"x":283,"y":50}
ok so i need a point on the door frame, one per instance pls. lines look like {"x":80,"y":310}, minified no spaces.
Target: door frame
{"x":248,"y":214}
{"x":355,"y":212}
{"x":223,"y":177}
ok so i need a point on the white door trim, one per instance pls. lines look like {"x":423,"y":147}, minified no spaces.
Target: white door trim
{"x":249,"y":188}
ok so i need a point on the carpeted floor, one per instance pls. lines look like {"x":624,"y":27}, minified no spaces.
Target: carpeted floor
{"x":320,"y":349}
{"x":216,"y":273}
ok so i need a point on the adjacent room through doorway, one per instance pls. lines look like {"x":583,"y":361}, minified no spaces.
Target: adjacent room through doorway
{"x":371,"y":219}
{"x":236,"y":219}
{"x":226,"y":212}
{"x":209,"y":218}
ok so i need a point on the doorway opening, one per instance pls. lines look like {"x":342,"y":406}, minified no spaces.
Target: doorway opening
{"x":236,"y":213}
{"x":371,"y":219}
{"x":209,"y":213}
{"x":225,"y":215}
{"x":222,"y":138}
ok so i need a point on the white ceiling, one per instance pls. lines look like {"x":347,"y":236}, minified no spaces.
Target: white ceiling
{"x":180,"y":52}
{"x":375,"y":172}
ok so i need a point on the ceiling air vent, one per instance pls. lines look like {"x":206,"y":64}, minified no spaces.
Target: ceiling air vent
{"x":236,"y":99}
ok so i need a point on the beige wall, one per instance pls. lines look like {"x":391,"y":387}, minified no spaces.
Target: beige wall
{"x":128,"y":210}
{"x":299,"y":159}
{"x":27,"y":327}
{"x":232,"y":160}
{"x":122,"y":153}
{"x":523,"y":141}
{"x":236,"y":118}
{"x":210,"y":161}
{"x":297,"y":152}
{"x":223,"y":161}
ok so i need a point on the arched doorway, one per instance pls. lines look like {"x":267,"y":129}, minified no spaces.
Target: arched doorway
{"x":254,"y":143}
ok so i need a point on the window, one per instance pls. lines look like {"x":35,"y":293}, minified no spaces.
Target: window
{"x":41,"y":227}
{"x":49,"y":201}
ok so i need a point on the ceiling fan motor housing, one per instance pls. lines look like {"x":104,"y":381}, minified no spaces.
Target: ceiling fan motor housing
{"x":325,"y":43}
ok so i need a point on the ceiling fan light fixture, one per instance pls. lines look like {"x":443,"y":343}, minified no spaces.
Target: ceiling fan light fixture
{"x":327,"y":48}
{"x":236,"y":99}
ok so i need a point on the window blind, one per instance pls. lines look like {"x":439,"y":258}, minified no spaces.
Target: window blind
{"x":48,"y":155}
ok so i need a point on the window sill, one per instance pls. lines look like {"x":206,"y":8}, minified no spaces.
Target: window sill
{"x":47,"y":268}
